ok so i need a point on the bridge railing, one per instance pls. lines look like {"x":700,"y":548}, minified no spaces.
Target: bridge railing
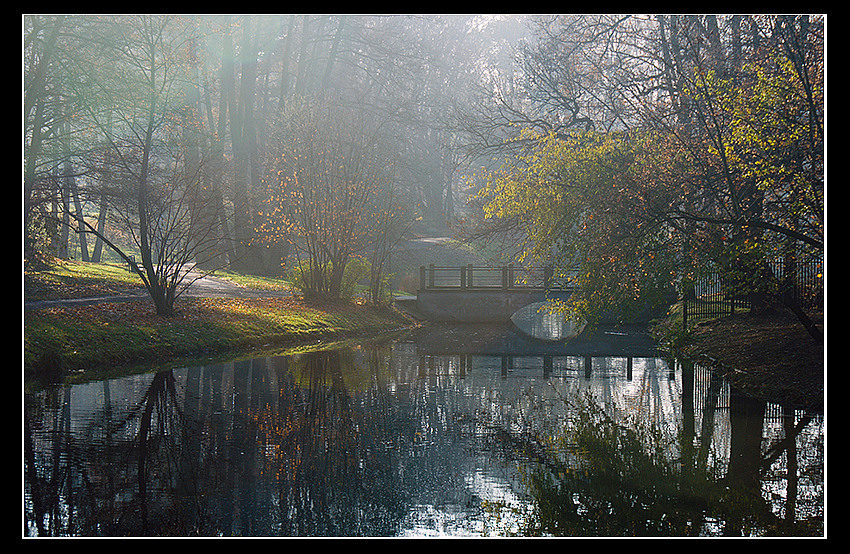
{"x":508,"y":277}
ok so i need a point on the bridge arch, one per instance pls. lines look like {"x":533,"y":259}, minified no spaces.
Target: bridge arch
{"x":538,"y":322}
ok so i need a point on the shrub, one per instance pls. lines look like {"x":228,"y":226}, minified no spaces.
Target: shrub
{"x":356,"y":270}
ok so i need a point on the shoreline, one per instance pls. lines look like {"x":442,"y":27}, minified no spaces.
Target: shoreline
{"x":74,"y":343}
{"x":769,"y":357}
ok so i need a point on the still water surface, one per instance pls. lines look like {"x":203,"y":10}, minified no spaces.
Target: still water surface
{"x":450,"y":432}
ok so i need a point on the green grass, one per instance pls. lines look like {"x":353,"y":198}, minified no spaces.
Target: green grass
{"x":71,"y":279}
{"x":111,"y":337}
{"x":254,"y":281}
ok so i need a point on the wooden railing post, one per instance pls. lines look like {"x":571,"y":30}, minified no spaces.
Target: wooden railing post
{"x":421,"y":277}
{"x":463,"y":277}
{"x":547,"y":277}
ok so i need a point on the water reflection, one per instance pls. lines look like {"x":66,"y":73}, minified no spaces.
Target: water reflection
{"x":541,"y":321}
{"x":407,"y":439}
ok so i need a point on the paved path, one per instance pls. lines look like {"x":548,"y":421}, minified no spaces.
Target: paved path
{"x":201,"y":287}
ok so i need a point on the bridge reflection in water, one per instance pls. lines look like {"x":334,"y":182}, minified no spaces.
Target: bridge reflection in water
{"x":621,"y":366}
{"x":543,"y":321}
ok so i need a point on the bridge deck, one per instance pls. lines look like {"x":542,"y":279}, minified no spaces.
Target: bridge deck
{"x":485,"y":294}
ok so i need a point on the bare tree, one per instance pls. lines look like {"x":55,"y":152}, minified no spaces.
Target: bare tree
{"x":135,"y":69}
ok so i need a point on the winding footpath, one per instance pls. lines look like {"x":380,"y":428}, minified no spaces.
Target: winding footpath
{"x":200,"y":287}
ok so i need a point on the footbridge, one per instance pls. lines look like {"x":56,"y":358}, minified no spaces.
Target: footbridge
{"x":468,"y":294}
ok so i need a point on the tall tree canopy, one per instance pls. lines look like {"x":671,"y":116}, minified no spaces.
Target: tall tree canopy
{"x":697,"y":139}
{"x":717,"y":162}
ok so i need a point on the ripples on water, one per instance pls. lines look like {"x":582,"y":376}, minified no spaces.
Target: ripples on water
{"x":411,"y":439}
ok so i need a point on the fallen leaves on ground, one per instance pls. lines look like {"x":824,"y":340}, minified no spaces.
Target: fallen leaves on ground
{"x":770,"y":356}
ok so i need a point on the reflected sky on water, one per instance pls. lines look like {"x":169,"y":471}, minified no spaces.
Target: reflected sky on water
{"x":430,"y":435}
{"x":541,"y":321}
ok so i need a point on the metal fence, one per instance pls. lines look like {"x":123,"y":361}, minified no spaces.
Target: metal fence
{"x":807,"y":281}
{"x":713,"y":294}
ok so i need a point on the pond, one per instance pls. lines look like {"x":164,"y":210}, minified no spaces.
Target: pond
{"x":449,"y":431}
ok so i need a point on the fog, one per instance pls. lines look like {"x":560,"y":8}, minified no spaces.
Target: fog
{"x":260,"y":142}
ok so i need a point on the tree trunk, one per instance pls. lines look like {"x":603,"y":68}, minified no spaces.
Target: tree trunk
{"x":35,"y":96}
{"x":285,"y":81}
{"x":212,"y":174}
{"x":155,"y":283}
{"x":101,"y":226}
{"x":71,"y":184}
{"x":300,"y":87}
{"x":240,"y":109}
{"x":326,"y":79}
{"x":66,"y":219}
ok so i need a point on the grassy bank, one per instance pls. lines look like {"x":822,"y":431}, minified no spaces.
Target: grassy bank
{"x":108,"y":338}
{"x":72,"y":279}
{"x":768,"y":356}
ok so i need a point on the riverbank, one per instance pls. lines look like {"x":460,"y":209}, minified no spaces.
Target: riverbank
{"x":76,"y":342}
{"x":770,"y":356}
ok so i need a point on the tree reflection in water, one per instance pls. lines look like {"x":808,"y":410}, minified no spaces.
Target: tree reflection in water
{"x":631,"y":479}
{"x":264,"y":447}
{"x":371,"y":441}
